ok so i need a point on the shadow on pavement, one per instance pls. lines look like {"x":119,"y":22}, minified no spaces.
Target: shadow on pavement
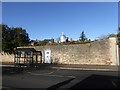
{"x":98,"y":81}
{"x":54,"y":87}
{"x":21,"y":69}
{"x":93,"y":81}
{"x":11,"y":70}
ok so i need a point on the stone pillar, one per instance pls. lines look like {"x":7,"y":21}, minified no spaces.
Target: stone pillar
{"x":113,"y":50}
{"x":118,"y":61}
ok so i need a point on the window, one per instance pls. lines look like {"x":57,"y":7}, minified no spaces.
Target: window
{"x":47,"y":52}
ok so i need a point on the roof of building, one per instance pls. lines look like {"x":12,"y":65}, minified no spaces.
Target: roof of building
{"x":25,"y":49}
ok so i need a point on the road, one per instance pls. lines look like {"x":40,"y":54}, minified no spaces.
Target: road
{"x":49,"y":78}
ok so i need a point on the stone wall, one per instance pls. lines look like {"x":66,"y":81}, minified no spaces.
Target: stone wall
{"x":102,"y":52}
{"x":92,"y":53}
{"x":6,"y":58}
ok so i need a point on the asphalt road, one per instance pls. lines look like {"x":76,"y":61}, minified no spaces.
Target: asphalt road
{"x":47,"y":78}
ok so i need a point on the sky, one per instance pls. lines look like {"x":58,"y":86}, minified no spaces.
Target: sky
{"x":45,"y":20}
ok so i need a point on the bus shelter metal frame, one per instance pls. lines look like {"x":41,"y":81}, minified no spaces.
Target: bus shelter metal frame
{"x":27,"y":57}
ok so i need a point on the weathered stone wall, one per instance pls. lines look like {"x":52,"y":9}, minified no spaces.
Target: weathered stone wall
{"x":97,"y":53}
{"x":6,"y":58}
{"x":103,"y":52}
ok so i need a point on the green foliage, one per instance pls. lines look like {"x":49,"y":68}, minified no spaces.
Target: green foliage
{"x":13,"y":37}
{"x":42,"y":43}
{"x":112,"y":35}
{"x":82,"y":37}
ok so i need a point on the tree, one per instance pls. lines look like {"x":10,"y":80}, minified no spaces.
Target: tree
{"x":112,"y":35}
{"x":82,"y":37}
{"x":20,"y":36}
{"x":103,"y":37}
{"x":42,"y":43}
{"x":13,"y":37}
{"x":6,"y":39}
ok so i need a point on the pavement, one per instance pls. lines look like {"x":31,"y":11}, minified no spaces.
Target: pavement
{"x":75,"y":67}
{"x":57,"y":77}
{"x":88,"y":67}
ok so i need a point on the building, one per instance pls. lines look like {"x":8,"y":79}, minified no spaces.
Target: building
{"x":63,"y":38}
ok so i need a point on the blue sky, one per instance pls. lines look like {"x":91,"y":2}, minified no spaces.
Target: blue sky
{"x":48,"y":20}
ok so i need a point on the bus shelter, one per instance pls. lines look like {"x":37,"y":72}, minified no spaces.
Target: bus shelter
{"x":27,"y":57}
